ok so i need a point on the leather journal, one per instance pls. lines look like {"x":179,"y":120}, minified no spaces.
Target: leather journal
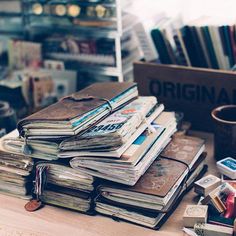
{"x":154,"y":196}
{"x":79,"y":111}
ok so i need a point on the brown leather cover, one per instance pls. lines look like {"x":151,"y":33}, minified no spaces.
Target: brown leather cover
{"x":79,"y":103}
{"x":164,"y":173}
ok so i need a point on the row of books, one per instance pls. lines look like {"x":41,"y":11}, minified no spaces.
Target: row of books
{"x":97,"y":51}
{"x":205,"y":42}
{"x":106,"y":150}
{"x":75,"y":49}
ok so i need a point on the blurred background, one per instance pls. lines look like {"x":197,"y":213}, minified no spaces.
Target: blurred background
{"x":51,"y":48}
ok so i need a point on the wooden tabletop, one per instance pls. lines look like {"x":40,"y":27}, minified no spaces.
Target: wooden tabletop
{"x":53,"y":221}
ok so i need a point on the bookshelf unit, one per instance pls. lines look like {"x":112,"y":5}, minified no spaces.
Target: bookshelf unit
{"x":96,"y":21}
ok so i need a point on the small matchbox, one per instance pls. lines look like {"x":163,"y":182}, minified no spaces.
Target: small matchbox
{"x":195,"y":214}
{"x":212,"y":230}
{"x":205,"y":185}
{"x":227,"y":167}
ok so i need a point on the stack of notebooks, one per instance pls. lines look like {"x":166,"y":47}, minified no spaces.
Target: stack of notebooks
{"x":77,"y":112}
{"x":157,"y":193}
{"x":15,"y":173}
{"x":109,"y":137}
{"x":40,"y":135}
{"x":58,"y":184}
{"x":204,"y":42}
{"x":42,"y":132}
{"x":127,"y":164}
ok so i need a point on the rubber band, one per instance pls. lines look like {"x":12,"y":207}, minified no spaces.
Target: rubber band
{"x":78,"y":99}
{"x":184,"y":182}
{"x":40,"y":180}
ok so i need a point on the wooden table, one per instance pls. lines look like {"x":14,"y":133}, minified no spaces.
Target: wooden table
{"x":53,"y":221}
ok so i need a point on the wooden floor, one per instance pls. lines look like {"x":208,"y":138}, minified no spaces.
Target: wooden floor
{"x":15,"y":221}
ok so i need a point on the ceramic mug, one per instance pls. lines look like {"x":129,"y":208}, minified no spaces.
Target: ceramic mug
{"x":225,"y":131}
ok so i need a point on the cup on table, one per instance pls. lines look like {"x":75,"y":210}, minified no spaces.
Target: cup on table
{"x":225,"y":131}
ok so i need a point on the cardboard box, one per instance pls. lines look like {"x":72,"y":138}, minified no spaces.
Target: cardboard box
{"x":194,"y":91}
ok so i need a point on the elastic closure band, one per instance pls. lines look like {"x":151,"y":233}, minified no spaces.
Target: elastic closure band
{"x":40,"y":180}
{"x":88,"y":98}
{"x":184,"y":182}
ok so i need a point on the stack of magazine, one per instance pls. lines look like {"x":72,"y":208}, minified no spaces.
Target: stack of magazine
{"x":15,"y":173}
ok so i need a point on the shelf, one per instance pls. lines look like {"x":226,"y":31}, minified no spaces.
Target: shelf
{"x":104,"y":70}
{"x":114,"y":27}
{"x":96,"y":32}
{"x":10,"y":14}
{"x":11,"y":32}
{"x":86,"y":19}
{"x":108,"y":60}
{"x":92,"y":31}
{"x":78,"y":2}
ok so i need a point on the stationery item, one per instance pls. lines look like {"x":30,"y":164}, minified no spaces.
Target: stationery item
{"x":218,"y":197}
{"x":60,"y":185}
{"x":225,"y":138}
{"x":228,"y":180}
{"x":64,"y":176}
{"x":194,"y":214}
{"x":15,"y":173}
{"x":212,"y":230}
{"x":73,"y":200}
{"x":229,"y":204}
{"x":217,"y":219}
{"x":144,"y":217}
{"x":205,"y":185}
{"x":159,"y":184}
{"x":168,"y":117}
{"x":115,"y":130}
{"x":39,"y":149}
{"x":77,"y":112}
{"x":134,"y":161}
{"x":227,"y":167}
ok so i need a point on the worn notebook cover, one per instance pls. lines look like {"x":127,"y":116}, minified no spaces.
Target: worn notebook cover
{"x":74,"y":105}
{"x":144,"y":212}
{"x":115,"y":130}
{"x":15,"y":163}
{"x":164,"y":173}
{"x":68,"y":198}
